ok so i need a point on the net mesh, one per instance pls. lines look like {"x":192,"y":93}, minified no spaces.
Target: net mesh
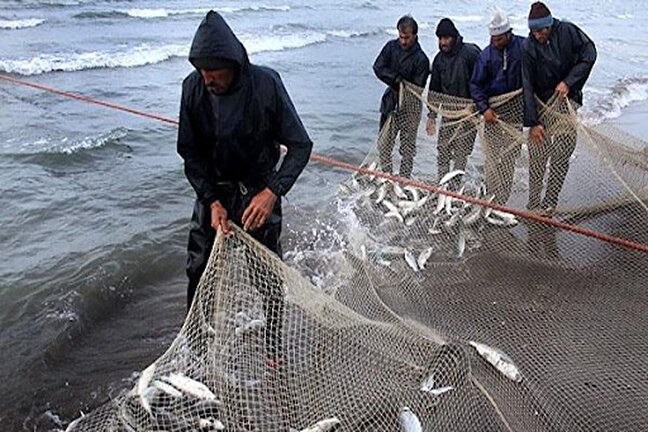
{"x":454,"y":308}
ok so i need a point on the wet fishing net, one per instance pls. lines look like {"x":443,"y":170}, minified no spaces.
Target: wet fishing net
{"x":488,"y":283}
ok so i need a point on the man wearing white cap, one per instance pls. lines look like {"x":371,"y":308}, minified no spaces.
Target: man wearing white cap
{"x":498,"y":70}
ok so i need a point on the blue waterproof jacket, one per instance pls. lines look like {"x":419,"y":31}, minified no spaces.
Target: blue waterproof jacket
{"x":497,"y":72}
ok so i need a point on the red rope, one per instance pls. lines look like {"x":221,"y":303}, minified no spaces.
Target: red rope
{"x":350,"y":167}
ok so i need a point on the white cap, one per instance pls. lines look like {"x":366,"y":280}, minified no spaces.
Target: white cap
{"x":499,"y":23}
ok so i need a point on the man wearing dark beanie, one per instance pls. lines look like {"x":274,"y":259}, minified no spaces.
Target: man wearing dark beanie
{"x":451,"y":70}
{"x":557,"y":58}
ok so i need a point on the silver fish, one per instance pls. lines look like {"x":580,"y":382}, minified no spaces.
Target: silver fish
{"x":390,"y":206}
{"x":211,"y":424}
{"x":410,"y":221}
{"x":323,"y":425}
{"x":395,"y":215}
{"x":409,"y":421}
{"x":440,"y":203}
{"x":400,"y":193}
{"x":372,"y":167}
{"x":369,"y":191}
{"x":411,"y":261}
{"x":167,"y":388}
{"x":449,"y":176}
{"x":453,"y":220}
{"x":382,"y":193}
{"x":190,"y":386}
{"x":473,"y":216}
{"x":439,"y":391}
{"x":142,"y":385}
{"x":501,"y":222}
{"x":461,"y":244}
{"x":499,"y":360}
{"x":423,"y":257}
{"x":488,"y":210}
{"x":434,"y":230}
{"x":413,"y":191}
{"x":422,"y":201}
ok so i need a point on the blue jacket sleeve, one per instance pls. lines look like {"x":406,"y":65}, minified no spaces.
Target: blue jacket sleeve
{"x":292,"y":133}
{"x":196,"y":162}
{"x":478,"y":84}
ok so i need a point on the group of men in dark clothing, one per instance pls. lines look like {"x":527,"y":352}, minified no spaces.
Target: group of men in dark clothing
{"x":556,"y":58}
{"x":235,"y":115}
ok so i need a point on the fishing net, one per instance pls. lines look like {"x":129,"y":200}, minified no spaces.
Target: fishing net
{"x":458,"y":304}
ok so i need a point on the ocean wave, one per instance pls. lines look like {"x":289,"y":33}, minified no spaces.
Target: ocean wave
{"x":466,"y":18}
{"x":140,"y":55}
{"x":21,"y":23}
{"x":145,"y":54}
{"x":609,"y":104}
{"x":349,"y":34}
{"x":280,"y":43}
{"x":66,"y":146}
{"x":157,"y":13}
{"x":88,"y":143}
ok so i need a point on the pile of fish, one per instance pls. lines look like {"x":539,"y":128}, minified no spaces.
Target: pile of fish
{"x":425,"y":212}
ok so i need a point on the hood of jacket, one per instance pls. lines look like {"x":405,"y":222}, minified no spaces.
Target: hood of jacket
{"x":214,"y":40}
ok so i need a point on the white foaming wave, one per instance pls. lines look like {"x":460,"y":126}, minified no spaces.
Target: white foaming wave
{"x":348,"y":34}
{"x":279,"y":43}
{"x":19,"y":24}
{"x":89,"y":143}
{"x":165,"y":13}
{"x":466,"y":18}
{"x":145,"y":54}
{"x":161,"y":13}
{"x":138,"y":56}
{"x":609,"y":104}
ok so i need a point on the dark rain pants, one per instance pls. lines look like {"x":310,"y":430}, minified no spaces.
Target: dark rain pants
{"x":405,"y":123}
{"x":266,"y":281}
{"x":456,"y":142}
{"x":557,"y":150}
{"x":501,"y":149}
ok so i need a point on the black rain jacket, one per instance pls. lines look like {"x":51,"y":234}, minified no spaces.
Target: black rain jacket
{"x":394,"y":64}
{"x":451,"y":72}
{"x":568,"y":56}
{"x":235,"y":137}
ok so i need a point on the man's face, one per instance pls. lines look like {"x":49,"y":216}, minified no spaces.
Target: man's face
{"x":500,"y":41}
{"x":542,"y":35}
{"x":406,"y":38}
{"x":218,"y":81}
{"x":446,"y":43}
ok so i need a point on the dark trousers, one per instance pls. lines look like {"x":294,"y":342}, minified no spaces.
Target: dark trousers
{"x":501,"y":149}
{"x":406,"y":123}
{"x":266,"y":281}
{"x":557,"y":150}
{"x":456,"y":142}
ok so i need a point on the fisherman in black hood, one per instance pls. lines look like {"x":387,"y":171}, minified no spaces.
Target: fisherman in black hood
{"x":452,"y":69}
{"x":233,"y":117}
{"x":400,"y":60}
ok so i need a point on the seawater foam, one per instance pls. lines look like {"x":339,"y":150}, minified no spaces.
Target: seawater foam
{"x":609,"y":104}
{"x":145,"y":54}
{"x":20,"y":24}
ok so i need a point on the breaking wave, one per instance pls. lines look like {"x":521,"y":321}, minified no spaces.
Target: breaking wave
{"x":145,"y":54}
{"x":20,"y":24}
{"x":609,"y":104}
{"x":156,"y":13}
